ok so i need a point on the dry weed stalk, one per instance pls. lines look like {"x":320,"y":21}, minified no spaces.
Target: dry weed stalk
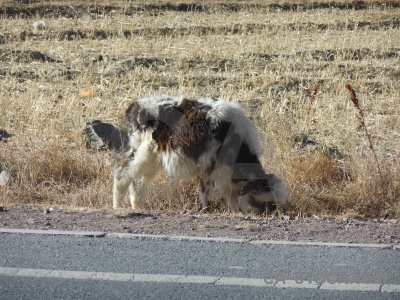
{"x":361,"y":119}
{"x":314,"y":93}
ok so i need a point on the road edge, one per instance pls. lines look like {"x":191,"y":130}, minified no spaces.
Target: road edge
{"x":102,"y":234}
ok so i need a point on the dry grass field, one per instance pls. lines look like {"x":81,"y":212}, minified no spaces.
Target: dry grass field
{"x":94,"y":57}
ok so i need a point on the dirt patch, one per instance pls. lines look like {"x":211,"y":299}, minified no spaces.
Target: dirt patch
{"x":208,"y":225}
{"x":70,"y":11}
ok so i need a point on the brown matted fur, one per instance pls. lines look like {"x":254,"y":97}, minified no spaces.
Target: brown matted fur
{"x":186,"y":138}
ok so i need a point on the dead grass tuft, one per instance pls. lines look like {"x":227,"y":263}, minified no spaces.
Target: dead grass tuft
{"x":319,"y":185}
{"x":49,"y":175}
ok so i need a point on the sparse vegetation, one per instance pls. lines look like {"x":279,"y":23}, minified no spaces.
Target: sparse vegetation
{"x":271,"y":56}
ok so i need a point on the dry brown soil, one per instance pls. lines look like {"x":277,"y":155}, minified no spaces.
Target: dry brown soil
{"x":339,"y":229}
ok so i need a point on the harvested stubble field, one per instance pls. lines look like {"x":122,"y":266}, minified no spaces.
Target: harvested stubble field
{"x":93,"y":58}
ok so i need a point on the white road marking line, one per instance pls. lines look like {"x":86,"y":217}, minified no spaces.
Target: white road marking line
{"x":236,"y":267}
{"x":299,"y":285}
{"x":195,"y":279}
{"x":113,"y":276}
{"x":241,"y":281}
{"x":54,"y":232}
{"x":365,"y":287}
{"x":391,"y":288}
{"x":176,"y":237}
{"x":195,"y":238}
{"x":295,"y":243}
{"x":198,"y":279}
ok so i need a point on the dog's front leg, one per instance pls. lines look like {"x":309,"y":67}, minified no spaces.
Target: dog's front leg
{"x":142,"y":167}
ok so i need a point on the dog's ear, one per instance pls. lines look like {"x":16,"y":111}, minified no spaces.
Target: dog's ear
{"x":139,"y":117}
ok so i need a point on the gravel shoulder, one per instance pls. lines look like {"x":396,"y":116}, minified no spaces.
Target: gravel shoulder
{"x":340,"y":229}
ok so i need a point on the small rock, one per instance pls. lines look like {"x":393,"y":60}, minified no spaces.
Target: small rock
{"x":277,"y":89}
{"x":40,"y":25}
{"x":98,"y":135}
{"x":301,"y":140}
{"x":22,"y":35}
{"x":5,"y":176}
{"x":90,"y":59}
{"x":4,"y":134}
{"x":48,"y":210}
{"x":316,"y":217}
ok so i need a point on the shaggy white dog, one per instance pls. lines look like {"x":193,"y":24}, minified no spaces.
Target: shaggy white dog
{"x":211,"y":140}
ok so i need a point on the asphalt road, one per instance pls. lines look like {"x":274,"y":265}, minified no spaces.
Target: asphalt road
{"x":36,"y":266}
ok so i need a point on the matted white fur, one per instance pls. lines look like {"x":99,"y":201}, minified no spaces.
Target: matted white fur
{"x":232,"y":112}
{"x":153,"y":151}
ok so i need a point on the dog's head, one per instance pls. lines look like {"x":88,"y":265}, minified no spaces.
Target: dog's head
{"x":262,"y":195}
